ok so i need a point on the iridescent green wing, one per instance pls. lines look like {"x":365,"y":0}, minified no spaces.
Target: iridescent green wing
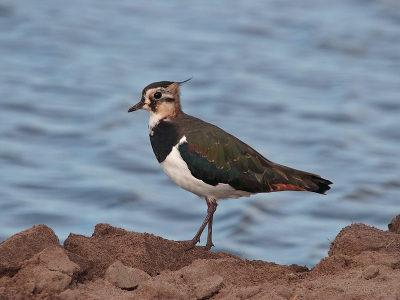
{"x":214,"y":156}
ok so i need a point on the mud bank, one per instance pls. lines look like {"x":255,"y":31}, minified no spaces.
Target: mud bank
{"x":363,"y":263}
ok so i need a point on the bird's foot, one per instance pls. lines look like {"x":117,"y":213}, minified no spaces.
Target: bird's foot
{"x":212,"y":206}
{"x":209,"y":245}
{"x":190,"y":243}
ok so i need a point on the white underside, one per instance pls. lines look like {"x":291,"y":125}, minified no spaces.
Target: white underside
{"x":176,"y":169}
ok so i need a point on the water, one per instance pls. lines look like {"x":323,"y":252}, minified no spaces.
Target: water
{"x":312,"y":85}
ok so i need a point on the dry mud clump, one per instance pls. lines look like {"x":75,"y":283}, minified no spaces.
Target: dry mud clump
{"x":363,"y":263}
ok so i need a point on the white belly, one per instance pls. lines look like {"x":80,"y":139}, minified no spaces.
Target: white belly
{"x":176,"y":169}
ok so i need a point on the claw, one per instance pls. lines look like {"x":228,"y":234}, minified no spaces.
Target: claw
{"x":208,"y":246}
{"x":190,"y":243}
{"x":212,"y":207}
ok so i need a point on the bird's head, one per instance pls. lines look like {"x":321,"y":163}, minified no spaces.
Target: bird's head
{"x":160,"y":99}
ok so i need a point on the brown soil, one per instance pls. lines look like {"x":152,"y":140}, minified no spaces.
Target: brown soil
{"x":363,"y":263}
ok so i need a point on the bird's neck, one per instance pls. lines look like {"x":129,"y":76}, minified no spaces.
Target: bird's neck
{"x":156,"y":117}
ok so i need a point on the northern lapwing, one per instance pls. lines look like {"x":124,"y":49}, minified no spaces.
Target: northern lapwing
{"x":209,"y":162}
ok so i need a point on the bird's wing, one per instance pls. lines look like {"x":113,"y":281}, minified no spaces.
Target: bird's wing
{"x":214,"y":156}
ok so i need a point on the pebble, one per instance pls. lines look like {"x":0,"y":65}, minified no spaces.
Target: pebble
{"x":370,"y":272}
{"x":208,"y":287}
{"x":125,"y":277}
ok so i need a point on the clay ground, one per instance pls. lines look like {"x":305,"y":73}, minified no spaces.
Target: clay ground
{"x":363,"y":263}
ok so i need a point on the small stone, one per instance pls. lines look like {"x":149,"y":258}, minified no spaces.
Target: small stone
{"x":395,"y":265}
{"x":29,"y":287}
{"x":125,"y":277}
{"x":208,"y":287}
{"x":370,"y":272}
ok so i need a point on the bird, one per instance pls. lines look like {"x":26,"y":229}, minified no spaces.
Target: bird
{"x":208,"y":161}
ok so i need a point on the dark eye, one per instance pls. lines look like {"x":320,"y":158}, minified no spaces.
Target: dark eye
{"x":157,"y":95}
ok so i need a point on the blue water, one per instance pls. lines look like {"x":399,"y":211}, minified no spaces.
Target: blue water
{"x":312,"y":85}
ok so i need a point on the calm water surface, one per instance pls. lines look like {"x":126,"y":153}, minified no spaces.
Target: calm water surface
{"x":313,"y":85}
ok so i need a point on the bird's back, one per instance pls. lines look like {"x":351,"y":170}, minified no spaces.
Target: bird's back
{"x":215,"y":156}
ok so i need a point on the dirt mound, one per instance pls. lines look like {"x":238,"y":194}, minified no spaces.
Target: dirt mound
{"x":363,"y":263}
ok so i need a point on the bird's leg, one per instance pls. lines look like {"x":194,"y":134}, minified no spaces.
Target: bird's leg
{"x":196,"y":238}
{"x":212,"y":207}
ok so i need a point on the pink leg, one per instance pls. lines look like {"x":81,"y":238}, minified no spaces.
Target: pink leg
{"x":212,"y":207}
{"x":210,"y":221}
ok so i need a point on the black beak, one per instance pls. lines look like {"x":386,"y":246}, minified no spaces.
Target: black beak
{"x":136,"y":107}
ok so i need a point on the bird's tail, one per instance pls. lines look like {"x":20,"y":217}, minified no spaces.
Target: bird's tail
{"x":296,"y":180}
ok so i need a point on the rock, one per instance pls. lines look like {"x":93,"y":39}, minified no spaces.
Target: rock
{"x":24,"y":245}
{"x":208,"y":287}
{"x":347,"y":244}
{"x":395,"y":265}
{"x":112,"y":254}
{"x":394,"y":225}
{"x":125,"y":277}
{"x":29,"y":286}
{"x":160,"y":289}
{"x":143,"y":251}
{"x":49,"y":271}
{"x":370,"y":272}
{"x":55,"y":259}
{"x":354,"y":239}
{"x":333,"y":264}
{"x":197,"y":271}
